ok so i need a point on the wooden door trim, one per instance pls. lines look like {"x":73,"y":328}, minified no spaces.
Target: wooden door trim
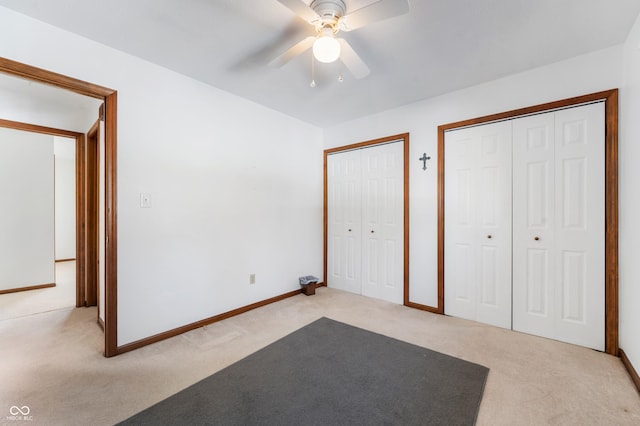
{"x":39,"y":129}
{"x":404,"y":137}
{"x":81,"y":239}
{"x":110,"y":98}
{"x":610,"y":97}
{"x":92,"y":215}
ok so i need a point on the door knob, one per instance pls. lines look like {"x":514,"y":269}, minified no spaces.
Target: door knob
{"x":536,"y":238}
{"x":372,"y":231}
{"x":489,"y":236}
{"x":349,"y":230}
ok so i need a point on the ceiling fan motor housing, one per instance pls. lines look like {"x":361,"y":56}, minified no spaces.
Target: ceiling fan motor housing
{"x":330,"y":11}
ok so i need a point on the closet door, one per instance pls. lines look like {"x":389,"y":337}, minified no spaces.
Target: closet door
{"x":383,"y":222}
{"x":366,"y":221}
{"x":344,"y":257}
{"x":533,"y":224}
{"x":559,"y":228}
{"x":478,"y":223}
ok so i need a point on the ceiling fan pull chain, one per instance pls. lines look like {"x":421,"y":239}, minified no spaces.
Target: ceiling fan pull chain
{"x":313,"y":71}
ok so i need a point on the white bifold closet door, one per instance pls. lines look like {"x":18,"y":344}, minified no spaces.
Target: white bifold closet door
{"x":478,"y":224}
{"x":366,"y":221}
{"x":525,"y":224}
{"x":559,"y":225}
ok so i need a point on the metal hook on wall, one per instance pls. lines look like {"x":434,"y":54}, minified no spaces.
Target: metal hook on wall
{"x":424,"y":159}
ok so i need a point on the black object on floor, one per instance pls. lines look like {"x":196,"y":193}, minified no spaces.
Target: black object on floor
{"x":330,"y":373}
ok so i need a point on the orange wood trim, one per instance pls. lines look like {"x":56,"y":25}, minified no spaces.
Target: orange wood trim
{"x":325,"y":220}
{"x":564,"y":103}
{"x":38,"y":129}
{"x":611,"y":223}
{"x":65,"y":260}
{"x":632,"y":371}
{"x":48,"y":77}
{"x":111,"y":225}
{"x":29,"y":72}
{"x":407,"y":223}
{"x":80,"y":220}
{"x":100,"y":323}
{"x":92,"y":204}
{"x":176,"y":331}
{"x":31,"y":287}
{"x":405,"y":138}
{"x":611,"y":198}
{"x":422,"y":307}
{"x":440,"y":308}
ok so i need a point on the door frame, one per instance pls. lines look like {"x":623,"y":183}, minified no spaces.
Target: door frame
{"x":91,"y":204}
{"x":404,"y":137}
{"x":110,"y":98}
{"x":610,"y":98}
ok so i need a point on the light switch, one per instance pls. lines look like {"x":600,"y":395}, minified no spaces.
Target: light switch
{"x":145,"y":201}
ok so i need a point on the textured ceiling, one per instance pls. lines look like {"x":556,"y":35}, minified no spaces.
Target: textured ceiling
{"x":440,"y":46}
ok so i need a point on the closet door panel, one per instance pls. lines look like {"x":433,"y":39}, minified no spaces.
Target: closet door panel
{"x":478,"y":224}
{"x":383,"y":221}
{"x":559,"y":229}
{"x":580,"y":225}
{"x":533,"y":228}
{"x":461,"y":152}
{"x":493,"y":194}
{"x":344,"y":221}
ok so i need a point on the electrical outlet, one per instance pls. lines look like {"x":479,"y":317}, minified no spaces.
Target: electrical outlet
{"x":252,"y":279}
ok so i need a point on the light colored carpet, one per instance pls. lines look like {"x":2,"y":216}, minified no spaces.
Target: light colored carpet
{"x":53,"y":363}
{"x":63,"y":295}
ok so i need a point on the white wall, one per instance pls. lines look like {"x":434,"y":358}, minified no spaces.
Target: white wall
{"x":36,"y":103}
{"x":629,"y":174}
{"x":64,"y":150}
{"x":236,"y":188}
{"x":26,"y":216}
{"x":590,"y":73}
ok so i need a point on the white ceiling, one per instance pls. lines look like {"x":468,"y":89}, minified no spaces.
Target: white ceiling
{"x":440,"y":46}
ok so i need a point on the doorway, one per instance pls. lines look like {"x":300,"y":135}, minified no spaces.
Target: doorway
{"x":84,"y":196}
{"x":109,"y":96}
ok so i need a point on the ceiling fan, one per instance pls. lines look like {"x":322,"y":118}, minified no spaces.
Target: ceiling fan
{"x":329,"y":17}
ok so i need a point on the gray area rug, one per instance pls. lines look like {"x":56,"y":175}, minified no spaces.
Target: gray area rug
{"x":330,"y":373}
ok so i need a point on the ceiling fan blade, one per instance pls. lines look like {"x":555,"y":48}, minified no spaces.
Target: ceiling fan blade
{"x":352,"y":61}
{"x":301,"y":9}
{"x":294,"y":51}
{"x":378,"y":11}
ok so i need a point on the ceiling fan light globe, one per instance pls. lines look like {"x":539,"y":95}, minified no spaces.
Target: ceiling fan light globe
{"x":326,"y":49}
